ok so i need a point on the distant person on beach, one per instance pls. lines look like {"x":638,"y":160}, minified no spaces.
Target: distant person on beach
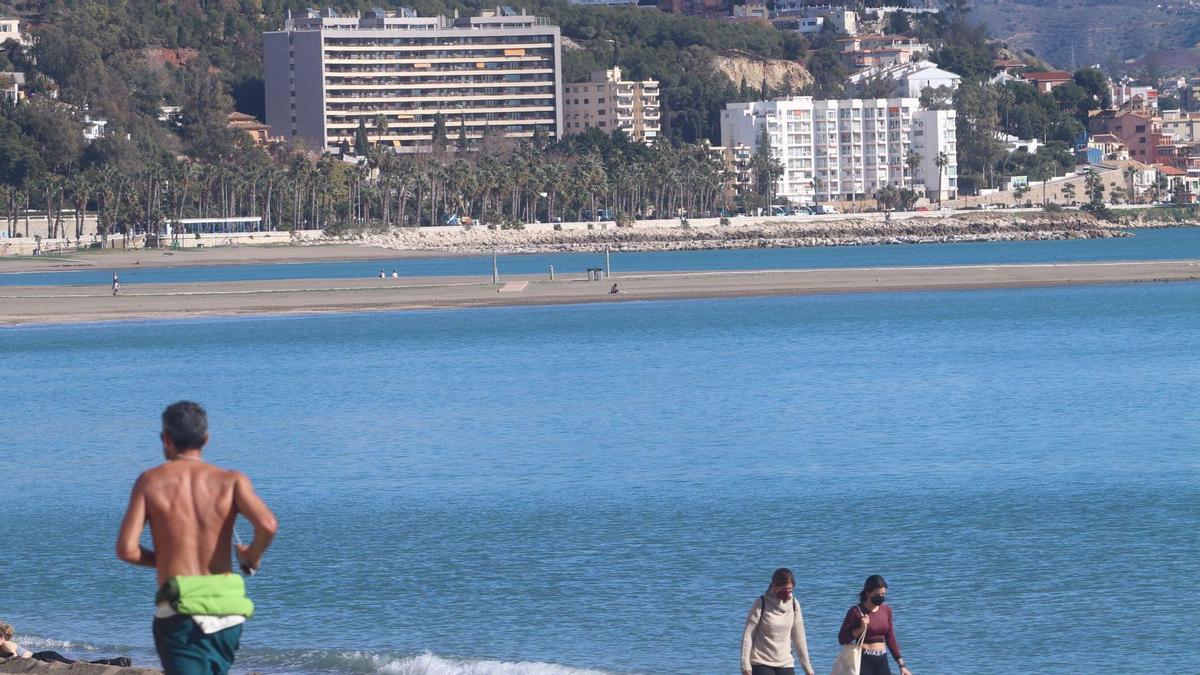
{"x":8,"y":648}
{"x":116,"y":284}
{"x":874,"y":617}
{"x":191,"y":507}
{"x":381,"y":275}
{"x":394,"y":275}
{"x":614,"y":290}
{"x":772,"y":626}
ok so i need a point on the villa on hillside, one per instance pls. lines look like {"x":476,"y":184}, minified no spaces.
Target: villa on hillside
{"x":903,"y":80}
{"x":865,"y":51}
{"x":260,"y":133}
{"x":1046,"y":81}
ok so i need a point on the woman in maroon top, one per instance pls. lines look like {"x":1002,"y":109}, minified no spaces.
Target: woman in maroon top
{"x":874,"y":617}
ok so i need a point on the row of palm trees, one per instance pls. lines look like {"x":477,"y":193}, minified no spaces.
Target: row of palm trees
{"x":517,"y":183}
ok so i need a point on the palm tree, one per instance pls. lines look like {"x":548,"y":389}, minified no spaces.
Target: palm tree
{"x":912,"y":161}
{"x":942,"y":160}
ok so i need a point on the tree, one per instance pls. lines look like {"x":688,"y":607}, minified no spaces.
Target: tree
{"x":439,"y":137}
{"x":937,"y":98}
{"x":977,"y":128}
{"x":1095,"y":84}
{"x":766,"y":168}
{"x":942,"y":160}
{"x":1094,"y":186}
{"x":362,"y":144}
{"x":1021,"y":191}
{"x":1069,"y":192}
{"x":1130,"y":173}
{"x":912,"y":162}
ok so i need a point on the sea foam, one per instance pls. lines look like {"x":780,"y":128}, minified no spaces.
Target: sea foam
{"x":420,"y":664}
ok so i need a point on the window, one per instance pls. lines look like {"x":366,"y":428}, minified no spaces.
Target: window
{"x":586,"y":101}
{"x":600,"y":100}
{"x":603,"y":123}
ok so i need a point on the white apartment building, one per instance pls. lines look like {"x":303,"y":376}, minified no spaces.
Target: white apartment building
{"x":848,"y":149}
{"x":933,"y":132}
{"x":607,"y":102}
{"x":396,"y":73}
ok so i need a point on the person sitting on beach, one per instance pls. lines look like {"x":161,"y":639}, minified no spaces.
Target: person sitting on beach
{"x":191,"y":507}
{"x":394,"y":275}
{"x":614,"y":290}
{"x":8,"y":648}
{"x":381,"y":275}
{"x":773,"y":624}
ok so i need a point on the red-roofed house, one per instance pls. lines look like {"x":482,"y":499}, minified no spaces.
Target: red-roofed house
{"x":1045,"y":82}
{"x":1183,"y":186}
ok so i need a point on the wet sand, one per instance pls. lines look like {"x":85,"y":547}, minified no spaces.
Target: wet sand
{"x":59,"y":304}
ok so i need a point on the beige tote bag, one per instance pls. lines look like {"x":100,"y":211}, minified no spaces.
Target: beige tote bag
{"x":849,"y":660}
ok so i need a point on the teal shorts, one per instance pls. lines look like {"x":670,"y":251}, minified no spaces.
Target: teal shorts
{"x":184,"y":649}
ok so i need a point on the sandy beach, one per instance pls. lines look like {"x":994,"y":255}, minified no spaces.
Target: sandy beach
{"x":59,"y":304}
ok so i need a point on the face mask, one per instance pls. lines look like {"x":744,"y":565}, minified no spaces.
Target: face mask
{"x":782,"y":595}
{"x":878,"y":599}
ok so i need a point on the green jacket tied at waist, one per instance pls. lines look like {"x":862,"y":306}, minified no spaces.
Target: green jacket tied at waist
{"x":212,"y":594}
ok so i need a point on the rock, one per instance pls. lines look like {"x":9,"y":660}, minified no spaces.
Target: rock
{"x":35,"y":667}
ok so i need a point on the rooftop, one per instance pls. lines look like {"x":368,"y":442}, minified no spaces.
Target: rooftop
{"x":1047,"y":76}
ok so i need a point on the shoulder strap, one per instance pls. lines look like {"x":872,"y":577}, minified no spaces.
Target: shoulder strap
{"x":761,"y":612}
{"x":862,"y":638}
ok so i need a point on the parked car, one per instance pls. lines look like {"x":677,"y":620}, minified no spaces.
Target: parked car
{"x":824,"y":210}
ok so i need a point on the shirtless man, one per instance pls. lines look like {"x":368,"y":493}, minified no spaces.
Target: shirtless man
{"x":191,"y":507}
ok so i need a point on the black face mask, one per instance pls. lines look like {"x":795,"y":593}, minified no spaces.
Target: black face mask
{"x":878,"y":599}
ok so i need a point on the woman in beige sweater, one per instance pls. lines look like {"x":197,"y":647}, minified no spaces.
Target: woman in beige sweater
{"x":774,"y":623}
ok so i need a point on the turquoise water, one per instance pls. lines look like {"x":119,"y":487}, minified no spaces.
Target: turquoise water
{"x":610,"y":486}
{"x":1164,"y":244}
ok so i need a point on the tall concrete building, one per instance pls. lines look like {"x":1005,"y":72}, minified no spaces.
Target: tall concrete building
{"x":500,"y":72}
{"x":607,"y":102}
{"x":848,"y":149}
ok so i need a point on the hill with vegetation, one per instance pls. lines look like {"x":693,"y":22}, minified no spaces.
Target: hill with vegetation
{"x":1122,"y":36}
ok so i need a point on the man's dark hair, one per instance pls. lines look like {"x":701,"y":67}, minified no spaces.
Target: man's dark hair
{"x":186,"y":424}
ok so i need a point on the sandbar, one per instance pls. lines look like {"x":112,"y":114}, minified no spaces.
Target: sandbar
{"x":61,"y":304}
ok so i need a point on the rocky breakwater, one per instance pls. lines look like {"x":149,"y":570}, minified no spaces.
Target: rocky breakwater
{"x":789,"y":233}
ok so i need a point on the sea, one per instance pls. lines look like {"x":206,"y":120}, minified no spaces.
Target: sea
{"x":607,"y":488}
